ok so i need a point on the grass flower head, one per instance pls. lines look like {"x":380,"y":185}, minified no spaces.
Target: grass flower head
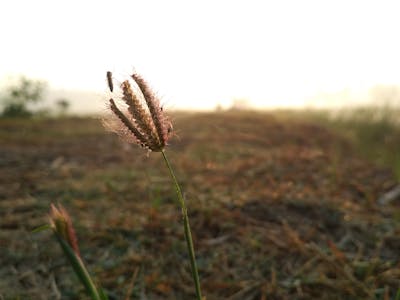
{"x":144,"y":121}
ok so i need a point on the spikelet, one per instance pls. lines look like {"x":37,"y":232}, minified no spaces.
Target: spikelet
{"x":110,"y":81}
{"x":150,"y":128}
{"x":128,"y":124}
{"x":137,"y":111}
{"x":161,"y":123}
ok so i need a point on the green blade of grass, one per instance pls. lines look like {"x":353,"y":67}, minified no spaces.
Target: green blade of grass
{"x":41,"y":228}
{"x":80,"y":270}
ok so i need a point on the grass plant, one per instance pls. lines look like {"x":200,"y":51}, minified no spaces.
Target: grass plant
{"x":374,"y":131}
{"x":149,"y":127}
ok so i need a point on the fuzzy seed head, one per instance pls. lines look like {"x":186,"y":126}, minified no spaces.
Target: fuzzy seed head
{"x":160,"y":121}
{"x":143,"y":122}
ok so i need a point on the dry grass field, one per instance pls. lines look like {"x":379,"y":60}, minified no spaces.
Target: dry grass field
{"x":281,"y":207}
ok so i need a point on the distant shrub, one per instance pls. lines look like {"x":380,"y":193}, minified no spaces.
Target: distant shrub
{"x":15,"y":110}
{"x":19,"y":96}
{"x":62,"y":106}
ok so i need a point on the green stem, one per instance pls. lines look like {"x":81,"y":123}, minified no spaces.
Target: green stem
{"x":79,"y":268}
{"x":188,"y":234}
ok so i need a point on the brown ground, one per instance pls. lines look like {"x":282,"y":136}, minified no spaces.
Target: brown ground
{"x":279,"y":210}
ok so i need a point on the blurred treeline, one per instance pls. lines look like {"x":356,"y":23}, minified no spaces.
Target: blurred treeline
{"x":22,"y":99}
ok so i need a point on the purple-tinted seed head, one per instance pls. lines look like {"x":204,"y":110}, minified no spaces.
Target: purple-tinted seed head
{"x":150,"y":127}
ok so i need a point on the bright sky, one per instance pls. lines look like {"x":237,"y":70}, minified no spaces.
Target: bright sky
{"x":200,"y":53}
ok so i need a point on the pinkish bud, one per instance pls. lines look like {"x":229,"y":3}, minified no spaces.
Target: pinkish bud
{"x":61,"y":224}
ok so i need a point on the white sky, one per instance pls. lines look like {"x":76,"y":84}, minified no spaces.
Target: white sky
{"x":198,"y":53}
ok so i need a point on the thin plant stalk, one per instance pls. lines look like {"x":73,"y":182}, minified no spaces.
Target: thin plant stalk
{"x":188,"y":234}
{"x":80,"y":270}
{"x":150,"y":128}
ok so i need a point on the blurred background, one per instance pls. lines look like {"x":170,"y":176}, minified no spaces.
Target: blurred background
{"x":201,"y":55}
